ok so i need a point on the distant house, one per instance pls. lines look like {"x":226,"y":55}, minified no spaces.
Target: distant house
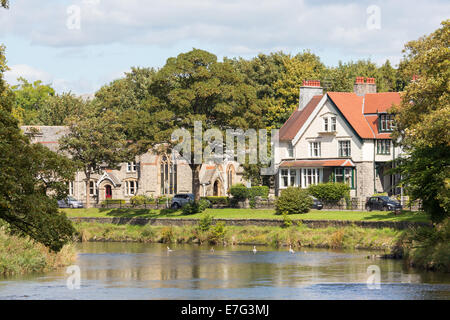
{"x":341,"y":137}
{"x":150,"y":174}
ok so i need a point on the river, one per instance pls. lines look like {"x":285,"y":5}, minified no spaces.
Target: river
{"x":149,"y":271}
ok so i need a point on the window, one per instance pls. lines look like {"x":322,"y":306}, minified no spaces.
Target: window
{"x":386,"y":122}
{"x":290,"y":150}
{"x":344,"y":175}
{"x":311,"y":176}
{"x":293,"y":177}
{"x":168,"y":175}
{"x":333,"y":124}
{"x":314,"y":149}
{"x":131,"y":187}
{"x":344,"y":148}
{"x":329,"y":124}
{"x":284,"y":178}
{"x":70,"y":188}
{"x":131,"y":167}
{"x":383,"y":146}
{"x":230,"y":176}
{"x":92,"y":188}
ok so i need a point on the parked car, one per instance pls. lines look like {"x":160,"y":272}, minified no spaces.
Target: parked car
{"x":383,"y":203}
{"x":70,"y":202}
{"x":181,"y":199}
{"x":317,"y":204}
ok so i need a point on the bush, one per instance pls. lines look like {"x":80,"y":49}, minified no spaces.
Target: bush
{"x":217,"y":200}
{"x":293,"y":200}
{"x":330,"y":193}
{"x":196,"y":206}
{"x":259,"y":191}
{"x":239,"y":192}
{"x":140,"y":200}
{"x":217,"y":233}
{"x":162,"y":200}
{"x":204,"y":223}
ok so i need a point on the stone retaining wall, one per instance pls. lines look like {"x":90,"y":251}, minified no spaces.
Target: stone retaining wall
{"x":399,"y":225}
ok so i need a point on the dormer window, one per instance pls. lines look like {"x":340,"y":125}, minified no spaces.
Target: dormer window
{"x":386,"y":122}
{"x":329,"y":124}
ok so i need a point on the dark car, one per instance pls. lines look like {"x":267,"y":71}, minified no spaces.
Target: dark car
{"x":383,"y":203}
{"x":70,"y":202}
{"x":317,"y":204}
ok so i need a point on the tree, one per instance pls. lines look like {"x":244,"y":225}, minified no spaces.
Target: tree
{"x":423,"y":122}
{"x":30,"y":98}
{"x":194,"y":86}
{"x":31,"y":179}
{"x":4,"y":3}
{"x":95,"y":142}
{"x":57,"y":109}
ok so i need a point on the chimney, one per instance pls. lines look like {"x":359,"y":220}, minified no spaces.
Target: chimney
{"x":308,"y":90}
{"x":362,"y":87}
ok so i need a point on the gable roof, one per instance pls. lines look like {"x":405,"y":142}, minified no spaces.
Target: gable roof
{"x":317,"y":163}
{"x":297,"y":119}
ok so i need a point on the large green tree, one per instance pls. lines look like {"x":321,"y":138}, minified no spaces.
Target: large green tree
{"x":57,"y":109}
{"x":31,"y":179}
{"x":191,"y":87}
{"x":423,"y":122}
{"x":95,"y":142}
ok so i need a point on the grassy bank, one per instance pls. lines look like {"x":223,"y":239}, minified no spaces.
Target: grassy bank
{"x":297,"y":236}
{"x":20,"y":256}
{"x":251,"y":214}
{"x":428,"y":248}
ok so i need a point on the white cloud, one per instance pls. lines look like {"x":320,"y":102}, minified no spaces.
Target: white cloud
{"x":27,"y":72}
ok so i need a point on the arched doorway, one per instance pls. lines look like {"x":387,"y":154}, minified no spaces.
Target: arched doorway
{"x":217,"y":189}
{"x":108,"y":192}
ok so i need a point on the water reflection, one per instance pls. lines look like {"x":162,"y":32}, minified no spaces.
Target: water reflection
{"x":148,"y":271}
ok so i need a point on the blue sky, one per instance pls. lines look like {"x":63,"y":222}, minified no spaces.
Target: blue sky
{"x":43,"y":40}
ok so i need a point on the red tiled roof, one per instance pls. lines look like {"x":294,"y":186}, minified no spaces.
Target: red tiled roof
{"x":380,"y":102}
{"x":317,"y":163}
{"x":297,"y":119}
{"x":372,"y":120}
{"x":350,"y":106}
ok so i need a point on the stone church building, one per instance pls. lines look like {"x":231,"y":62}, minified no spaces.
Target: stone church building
{"x":150,"y":174}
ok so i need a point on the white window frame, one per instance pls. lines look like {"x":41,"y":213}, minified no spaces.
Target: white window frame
{"x":333,"y":124}
{"x":71,"y":189}
{"x":131,"y":187}
{"x":92,"y":189}
{"x":290,"y":150}
{"x":311,"y":176}
{"x":342,"y":148}
{"x":326,"y":124}
{"x":131,"y":167}
{"x":315,"y":149}
{"x":289,"y":177}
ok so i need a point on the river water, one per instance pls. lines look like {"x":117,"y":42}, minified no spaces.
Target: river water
{"x":149,"y":271}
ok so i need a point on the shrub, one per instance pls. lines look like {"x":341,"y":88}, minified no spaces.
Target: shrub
{"x":259,"y":191}
{"x":167,"y":235}
{"x":293,"y":200}
{"x":162,"y":200}
{"x":217,"y":200}
{"x":140,"y":200}
{"x":239,"y":192}
{"x":217,"y":233}
{"x":287,"y":221}
{"x":204,"y":223}
{"x":330,"y":193}
{"x":196,"y":206}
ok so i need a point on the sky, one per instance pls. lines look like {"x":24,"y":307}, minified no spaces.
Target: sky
{"x":81,"y":45}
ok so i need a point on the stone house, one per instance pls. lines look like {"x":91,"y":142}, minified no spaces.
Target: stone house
{"x":341,"y":137}
{"x":150,"y":174}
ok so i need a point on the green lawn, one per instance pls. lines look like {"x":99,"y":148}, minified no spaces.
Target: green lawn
{"x":251,"y":214}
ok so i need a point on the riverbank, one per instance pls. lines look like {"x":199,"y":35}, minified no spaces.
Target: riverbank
{"x":20,"y":256}
{"x":297,"y":236}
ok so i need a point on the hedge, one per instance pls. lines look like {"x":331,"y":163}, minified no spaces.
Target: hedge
{"x":112,"y":201}
{"x":330,"y":192}
{"x":217,"y":200}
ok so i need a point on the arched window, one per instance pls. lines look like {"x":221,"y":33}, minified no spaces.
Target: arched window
{"x":168,"y":173}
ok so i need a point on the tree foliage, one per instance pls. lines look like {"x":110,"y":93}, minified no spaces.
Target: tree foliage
{"x":31,"y":179}
{"x":423,"y":122}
